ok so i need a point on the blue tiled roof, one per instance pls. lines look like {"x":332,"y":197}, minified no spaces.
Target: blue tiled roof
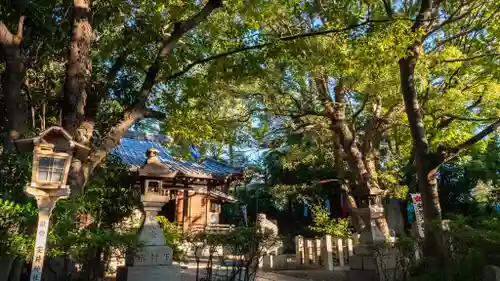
{"x":132,"y":151}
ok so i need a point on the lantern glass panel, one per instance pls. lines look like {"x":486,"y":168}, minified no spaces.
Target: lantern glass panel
{"x":51,"y":169}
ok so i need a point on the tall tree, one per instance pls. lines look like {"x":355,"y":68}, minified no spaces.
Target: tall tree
{"x":461,"y":23}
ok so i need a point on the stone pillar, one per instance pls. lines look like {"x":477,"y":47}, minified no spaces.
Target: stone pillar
{"x":350,"y":249}
{"x":340,"y":251}
{"x":328,"y":254}
{"x":154,"y":261}
{"x":268,"y":262}
{"x":315,"y":255}
{"x":299,"y":250}
{"x":307,"y":251}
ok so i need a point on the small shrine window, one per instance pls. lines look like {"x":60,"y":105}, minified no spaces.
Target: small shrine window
{"x":153,"y":186}
{"x":214,"y":207}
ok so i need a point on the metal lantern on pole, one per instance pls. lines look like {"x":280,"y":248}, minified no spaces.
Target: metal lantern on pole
{"x":53,"y":151}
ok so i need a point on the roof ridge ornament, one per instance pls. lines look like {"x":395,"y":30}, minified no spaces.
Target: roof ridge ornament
{"x":152,"y":156}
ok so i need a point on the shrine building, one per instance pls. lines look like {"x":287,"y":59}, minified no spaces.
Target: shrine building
{"x":197,"y":190}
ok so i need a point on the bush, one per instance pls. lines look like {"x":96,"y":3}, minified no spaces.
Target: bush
{"x":245,"y":244}
{"x":14,"y":222}
{"x":323,"y":224}
{"x":470,"y":247}
{"x":173,"y":238}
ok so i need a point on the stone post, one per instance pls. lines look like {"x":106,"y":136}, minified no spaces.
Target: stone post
{"x":350,"y":248}
{"x":299,"y":250}
{"x":340,"y":251}
{"x":307,"y":251}
{"x":268,"y":262}
{"x":328,"y":254}
{"x":315,"y":256}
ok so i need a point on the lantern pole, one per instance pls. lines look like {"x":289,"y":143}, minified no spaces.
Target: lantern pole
{"x":46,"y":201}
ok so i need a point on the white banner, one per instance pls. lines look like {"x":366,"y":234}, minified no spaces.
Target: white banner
{"x":416,"y":199}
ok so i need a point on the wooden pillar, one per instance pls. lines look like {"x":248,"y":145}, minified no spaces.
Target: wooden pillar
{"x":328,"y":253}
{"x":185,"y":210}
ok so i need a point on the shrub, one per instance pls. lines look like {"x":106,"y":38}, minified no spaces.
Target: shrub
{"x":323,"y":224}
{"x":14,"y":221}
{"x":173,"y":238}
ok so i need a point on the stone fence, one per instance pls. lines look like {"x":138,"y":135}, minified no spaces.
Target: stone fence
{"x":327,"y":252}
{"x":330,"y":253}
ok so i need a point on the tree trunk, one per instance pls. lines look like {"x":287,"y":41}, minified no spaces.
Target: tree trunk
{"x":355,"y":159}
{"x":78,"y":69}
{"x":426,"y":169}
{"x":16,"y":108}
{"x":80,"y":111}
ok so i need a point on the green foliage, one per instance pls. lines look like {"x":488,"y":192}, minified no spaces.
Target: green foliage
{"x":14,"y":175}
{"x":323,"y":224}
{"x":14,"y":221}
{"x":471,"y":248}
{"x":109,"y":200}
{"x":173,"y":237}
{"x":471,"y":244}
{"x":245,"y":245}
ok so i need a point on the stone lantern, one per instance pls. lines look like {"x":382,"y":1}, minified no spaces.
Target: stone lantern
{"x":53,"y":151}
{"x":366,"y":262}
{"x":154,"y":260}
{"x":370,"y":210}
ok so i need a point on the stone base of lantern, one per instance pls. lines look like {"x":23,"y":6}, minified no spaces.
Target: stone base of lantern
{"x":151,"y":263}
{"x":369,"y":264}
{"x":149,"y":273}
{"x":154,"y":273}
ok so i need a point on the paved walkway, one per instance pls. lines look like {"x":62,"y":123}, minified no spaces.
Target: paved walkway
{"x":189,"y":274}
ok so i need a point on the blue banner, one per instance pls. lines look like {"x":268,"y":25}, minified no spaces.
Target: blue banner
{"x":244,"y":213}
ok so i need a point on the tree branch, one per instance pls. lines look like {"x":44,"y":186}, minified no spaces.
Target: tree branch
{"x":464,"y":118}
{"x":451,"y":38}
{"x":363,"y":105}
{"x":472,"y":58}
{"x":446,"y":122}
{"x":151,"y":113}
{"x":180,"y":28}
{"x":448,"y":154}
{"x":261,"y":46}
{"x":7,"y":38}
{"x":139,"y":110}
